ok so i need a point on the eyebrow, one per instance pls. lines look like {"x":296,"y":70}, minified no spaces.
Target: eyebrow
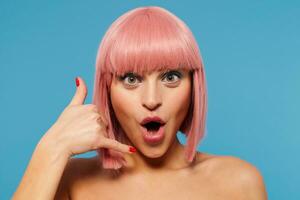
{"x":161,"y":72}
{"x":141,"y":74}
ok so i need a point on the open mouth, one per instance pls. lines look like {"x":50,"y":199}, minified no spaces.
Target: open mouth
{"x":152,"y":126}
{"x":153,"y":132}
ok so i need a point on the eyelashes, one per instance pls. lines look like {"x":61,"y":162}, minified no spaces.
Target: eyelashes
{"x":132,"y":76}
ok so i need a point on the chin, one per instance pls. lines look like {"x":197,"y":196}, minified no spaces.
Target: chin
{"x":154,"y":155}
{"x":153,"y":151}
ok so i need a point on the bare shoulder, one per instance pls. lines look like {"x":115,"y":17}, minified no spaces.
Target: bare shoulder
{"x":76,"y":169}
{"x":238,"y":176}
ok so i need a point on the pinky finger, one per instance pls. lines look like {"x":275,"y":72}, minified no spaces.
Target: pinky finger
{"x":113,"y":144}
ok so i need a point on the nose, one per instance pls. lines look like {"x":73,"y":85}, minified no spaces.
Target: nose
{"x":151,"y":97}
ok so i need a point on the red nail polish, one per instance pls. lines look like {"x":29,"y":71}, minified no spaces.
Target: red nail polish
{"x":132,"y":149}
{"x":77,"y":82}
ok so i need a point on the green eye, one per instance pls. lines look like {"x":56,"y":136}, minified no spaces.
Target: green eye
{"x":171,"y":74}
{"x":131,"y":78}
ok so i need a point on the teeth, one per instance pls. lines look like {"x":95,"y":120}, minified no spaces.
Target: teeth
{"x":152,"y":132}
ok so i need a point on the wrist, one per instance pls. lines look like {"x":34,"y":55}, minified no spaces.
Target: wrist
{"x":52,"y":149}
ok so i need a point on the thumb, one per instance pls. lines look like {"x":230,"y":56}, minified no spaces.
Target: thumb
{"x":81,"y":92}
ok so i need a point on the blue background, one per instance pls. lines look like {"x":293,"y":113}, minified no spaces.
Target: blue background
{"x":251,"y":56}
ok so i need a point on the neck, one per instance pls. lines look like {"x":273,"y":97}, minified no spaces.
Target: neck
{"x":173,"y":159}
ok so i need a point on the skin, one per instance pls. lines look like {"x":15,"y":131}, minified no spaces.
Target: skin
{"x":135,"y":98}
{"x":157,"y":172}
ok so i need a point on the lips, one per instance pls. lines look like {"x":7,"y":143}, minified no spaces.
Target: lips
{"x":152,"y":119}
{"x":153,"y":137}
{"x":153,"y":130}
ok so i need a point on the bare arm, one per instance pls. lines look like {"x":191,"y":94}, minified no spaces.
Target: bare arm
{"x":79,"y":129}
{"x":43,"y":174}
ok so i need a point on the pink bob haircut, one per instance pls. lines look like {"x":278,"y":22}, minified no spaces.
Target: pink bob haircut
{"x":142,"y":40}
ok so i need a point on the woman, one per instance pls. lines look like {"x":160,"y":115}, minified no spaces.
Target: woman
{"x":149,"y":84}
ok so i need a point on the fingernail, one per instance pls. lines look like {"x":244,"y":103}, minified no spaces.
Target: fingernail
{"x":132,"y":149}
{"x":77,"y":82}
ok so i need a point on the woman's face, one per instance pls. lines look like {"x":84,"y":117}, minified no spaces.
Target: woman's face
{"x":166,"y":94}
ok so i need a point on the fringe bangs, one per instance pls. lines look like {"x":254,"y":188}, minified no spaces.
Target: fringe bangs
{"x":149,"y":41}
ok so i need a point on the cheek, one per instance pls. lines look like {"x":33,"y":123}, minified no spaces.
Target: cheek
{"x":123,"y":104}
{"x":179,"y":101}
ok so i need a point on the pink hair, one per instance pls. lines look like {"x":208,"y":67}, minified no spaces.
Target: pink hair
{"x":142,"y":40}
